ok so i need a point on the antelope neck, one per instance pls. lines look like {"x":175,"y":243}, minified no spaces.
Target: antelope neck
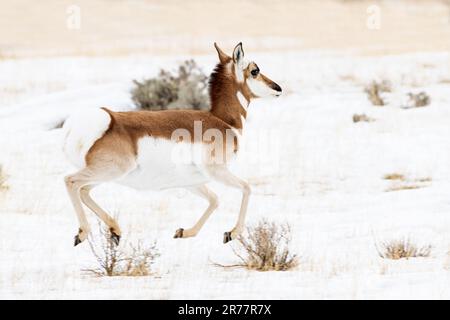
{"x":229,"y":99}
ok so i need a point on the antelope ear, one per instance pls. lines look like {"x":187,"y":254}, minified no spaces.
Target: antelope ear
{"x":238,"y":53}
{"x":223,"y":57}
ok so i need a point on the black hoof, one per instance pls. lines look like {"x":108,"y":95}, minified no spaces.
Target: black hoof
{"x":179,"y":233}
{"x":115,"y":238}
{"x":77,"y":240}
{"x":227,"y":237}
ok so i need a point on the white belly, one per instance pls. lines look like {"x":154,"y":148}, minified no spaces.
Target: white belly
{"x":162,"y":164}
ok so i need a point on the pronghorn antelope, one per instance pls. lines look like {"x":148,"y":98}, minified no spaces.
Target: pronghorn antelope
{"x":136,"y":148}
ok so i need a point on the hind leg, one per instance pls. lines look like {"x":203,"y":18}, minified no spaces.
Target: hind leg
{"x":111,"y":157}
{"x":102,"y":214}
{"x":74,"y":183}
{"x":92,"y":175}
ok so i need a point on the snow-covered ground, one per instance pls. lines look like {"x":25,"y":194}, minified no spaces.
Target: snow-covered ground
{"x":326,"y":180}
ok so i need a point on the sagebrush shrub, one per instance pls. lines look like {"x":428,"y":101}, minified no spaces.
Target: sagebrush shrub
{"x":184,"y":89}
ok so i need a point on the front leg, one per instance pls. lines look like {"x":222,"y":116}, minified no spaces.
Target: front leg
{"x":206,"y":193}
{"x":222,"y":174}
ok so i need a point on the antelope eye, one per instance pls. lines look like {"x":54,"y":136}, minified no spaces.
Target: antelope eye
{"x":254,"y":72}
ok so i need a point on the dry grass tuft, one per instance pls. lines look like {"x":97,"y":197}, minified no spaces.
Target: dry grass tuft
{"x":266,"y":248}
{"x":402,"y":249}
{"x":394,"y":176}
{"x":426,"y":179}
{"x":3,"y":178}
{"x":113,"y":261}
{"x":348,"y":77}
{"x":400,"y":182}
{"x":403,"y":187}
{"x":374,"y":90}
{"x":362,"y":118}
{"x":421,"y":99}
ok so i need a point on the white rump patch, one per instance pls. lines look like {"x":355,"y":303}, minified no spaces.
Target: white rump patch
{"x":81,"y":130}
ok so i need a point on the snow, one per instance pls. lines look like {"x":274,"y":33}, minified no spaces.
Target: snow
{"x":323,"y":174}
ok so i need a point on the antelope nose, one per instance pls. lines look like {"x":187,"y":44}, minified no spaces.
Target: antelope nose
{"x":276,"y":87}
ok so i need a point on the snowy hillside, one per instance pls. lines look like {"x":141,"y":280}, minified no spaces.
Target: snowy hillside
{"x":325,"y":178}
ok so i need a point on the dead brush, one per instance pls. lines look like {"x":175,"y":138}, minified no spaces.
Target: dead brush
{"x":128,"y":260}
{"x":374,"y":90}
{"x":265,"y":247}
{"x":402,"y":249}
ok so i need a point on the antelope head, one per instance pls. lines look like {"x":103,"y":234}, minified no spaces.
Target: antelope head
{"x":248,"y":75}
